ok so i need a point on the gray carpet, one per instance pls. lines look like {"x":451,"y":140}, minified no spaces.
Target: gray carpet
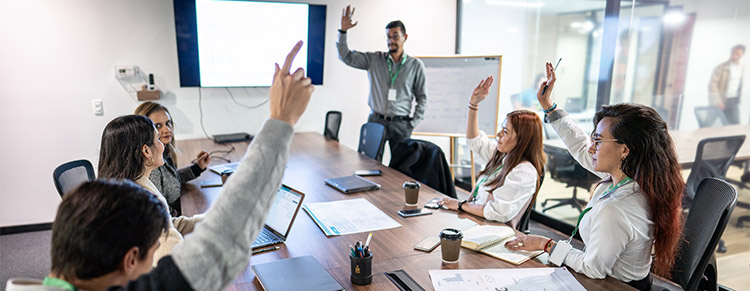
{"x":24,"y":255}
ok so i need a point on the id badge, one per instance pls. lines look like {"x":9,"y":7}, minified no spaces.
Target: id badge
{"x":391,"y":94}
{"x":557,"y":257}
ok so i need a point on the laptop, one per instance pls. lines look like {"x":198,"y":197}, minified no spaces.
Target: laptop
{"x":224,"y":168}
{"x":286,"y":204}
{"x":352,"y":184}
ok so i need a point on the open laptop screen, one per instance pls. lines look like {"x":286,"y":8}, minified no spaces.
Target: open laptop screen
{"x":285,"y":206}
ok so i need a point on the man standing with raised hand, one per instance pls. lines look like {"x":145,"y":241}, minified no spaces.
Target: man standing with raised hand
{"x":396,"y":80}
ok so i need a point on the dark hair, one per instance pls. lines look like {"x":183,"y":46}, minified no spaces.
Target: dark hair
{"x":147,"y":108}
{"x":98,"y":223}
{"x":396,"y":23}
{"x":652,"y":163}
{"x":120,"y":153}
{"x":738,"y":47}
{"x":529,"y":147}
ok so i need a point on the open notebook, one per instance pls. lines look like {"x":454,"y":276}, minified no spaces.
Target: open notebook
{"x":490,"y":239}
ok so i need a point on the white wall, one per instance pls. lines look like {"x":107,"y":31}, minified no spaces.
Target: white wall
{"x":58,"y":55}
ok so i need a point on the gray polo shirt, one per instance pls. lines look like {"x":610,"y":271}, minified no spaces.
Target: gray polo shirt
{"x":410,"y":83}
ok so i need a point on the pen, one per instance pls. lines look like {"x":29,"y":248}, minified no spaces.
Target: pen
{"x":554,"y":69}
{"x":367,"y":245}
{"x":265,"y":250}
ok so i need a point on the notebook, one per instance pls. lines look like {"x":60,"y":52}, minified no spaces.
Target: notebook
{"x":224,"y":168}
{"x":299,"y":273}
{"x":352,"y":184}
{"x":286,"y":205}
{"x":490,"y":239}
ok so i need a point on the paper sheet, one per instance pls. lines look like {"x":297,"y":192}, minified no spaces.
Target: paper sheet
{"x":516,"y":279}
{"x":348,"y":216}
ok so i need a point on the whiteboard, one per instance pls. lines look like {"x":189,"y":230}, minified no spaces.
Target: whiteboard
{"x":450,"y":82}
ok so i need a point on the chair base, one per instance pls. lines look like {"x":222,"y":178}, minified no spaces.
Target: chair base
{"x":572,"y":201}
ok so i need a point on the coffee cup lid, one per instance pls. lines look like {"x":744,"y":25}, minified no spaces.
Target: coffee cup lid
{"x":451,"y":234}
{"x":411,"y":184}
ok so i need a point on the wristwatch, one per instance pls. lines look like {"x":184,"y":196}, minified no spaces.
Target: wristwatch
{"x":461,"y":204}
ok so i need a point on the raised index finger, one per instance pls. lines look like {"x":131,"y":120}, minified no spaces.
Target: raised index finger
{"x":290,"y":58}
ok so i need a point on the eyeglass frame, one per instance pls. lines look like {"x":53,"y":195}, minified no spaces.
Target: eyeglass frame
{"x":598,"y":142}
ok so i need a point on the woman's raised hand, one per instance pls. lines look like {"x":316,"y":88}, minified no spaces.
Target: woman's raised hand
{"x":481,"y":91}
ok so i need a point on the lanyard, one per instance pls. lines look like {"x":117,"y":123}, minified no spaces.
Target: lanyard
{"x":606,"y":193}
{"x":390,"y":68}
{"x":49,"y":281}
{"x":476,"y":188}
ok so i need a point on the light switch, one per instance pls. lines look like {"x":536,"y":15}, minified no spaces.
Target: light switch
{"x":97,"y":105}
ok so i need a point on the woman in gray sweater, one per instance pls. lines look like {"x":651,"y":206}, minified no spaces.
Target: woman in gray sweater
{"x":168,"y":178}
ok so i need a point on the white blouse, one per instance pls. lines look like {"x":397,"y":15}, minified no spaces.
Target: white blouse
{"x":516,"y":192}
{"x":618,"y":230}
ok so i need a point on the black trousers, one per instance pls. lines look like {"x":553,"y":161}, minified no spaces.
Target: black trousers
{"x":396,"y":130}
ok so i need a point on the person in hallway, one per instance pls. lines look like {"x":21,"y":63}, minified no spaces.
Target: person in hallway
{"x":635,"y":209}
{"x":168,"y":178}
{"x":725,"y":88}
{"x":99,"y":243}
{"x":396,"y":80}
{"x":515,"y":164}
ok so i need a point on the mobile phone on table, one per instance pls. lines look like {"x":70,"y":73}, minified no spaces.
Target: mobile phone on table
{"x":414,"y":212}
{"x":427,"y":244}
{"x":433,"y":204}
{"x":368,"y":172}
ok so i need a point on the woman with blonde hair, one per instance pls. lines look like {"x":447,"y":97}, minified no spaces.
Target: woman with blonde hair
{"x":168,"y":178}
{"x":515,"y":164}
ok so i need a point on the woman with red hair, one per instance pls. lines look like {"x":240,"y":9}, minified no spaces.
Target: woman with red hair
{"x":515,"y":164}
{"x":635,"y":209}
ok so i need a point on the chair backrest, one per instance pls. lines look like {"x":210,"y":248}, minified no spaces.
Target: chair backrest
{"x":710,"y":116}
{"x":371,"y":140}
{"x":712,"y":159}
{"x":425,"y":162}
{"x":706,"y":221}
{"x":523,"y":224}
{"x":333,"y":123}
{"x":70,"y":175}
{"x":564,"y":168}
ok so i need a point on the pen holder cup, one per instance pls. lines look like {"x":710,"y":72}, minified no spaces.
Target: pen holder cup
{"x":361,"y":270}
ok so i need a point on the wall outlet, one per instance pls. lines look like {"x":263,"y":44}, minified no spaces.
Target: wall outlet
{"x":97,"y":105}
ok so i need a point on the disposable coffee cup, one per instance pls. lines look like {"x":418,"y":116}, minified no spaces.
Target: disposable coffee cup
{"x":224,"y":177}
{"x":411,"y":193}
{"x":450,"y":244}
{"x":361,"y":270}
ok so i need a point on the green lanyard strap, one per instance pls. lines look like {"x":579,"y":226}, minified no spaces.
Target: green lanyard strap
{"x":606,"y":193}
{"x":390,"y":68}
{"x":49,"y":281}
{"x":476,"y":188}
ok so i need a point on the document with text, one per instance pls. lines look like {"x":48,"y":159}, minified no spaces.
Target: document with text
{"x":514,"y":279}
{"x":348,"y":216}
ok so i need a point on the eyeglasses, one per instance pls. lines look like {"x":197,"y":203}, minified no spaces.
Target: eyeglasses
{"x":393,"y":37}
{"x":598,"y":142}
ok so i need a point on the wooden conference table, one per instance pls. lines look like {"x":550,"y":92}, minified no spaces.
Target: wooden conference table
{"x":312,"y":159}
{"x":686,"y":141}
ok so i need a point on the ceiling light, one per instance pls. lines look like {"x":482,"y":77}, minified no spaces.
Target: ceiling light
{"x":514,"y":3}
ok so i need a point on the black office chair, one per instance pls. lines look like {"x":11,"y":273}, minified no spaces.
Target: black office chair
{"x":425,"y":162}
{"x":695,"y":265}
{"x":523,"y":224}
{"x":333,"y":123}
{"x":372,"y":140}
{"x":710,"y":116}
{"x":712,"y":159}
{"x":563,"y":168}
{"x":70,"y":175}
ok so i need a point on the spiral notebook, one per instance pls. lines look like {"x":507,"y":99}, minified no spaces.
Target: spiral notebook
{"x":490,"y":240}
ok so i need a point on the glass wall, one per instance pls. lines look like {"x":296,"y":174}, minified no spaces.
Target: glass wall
{"x":683,"y":58}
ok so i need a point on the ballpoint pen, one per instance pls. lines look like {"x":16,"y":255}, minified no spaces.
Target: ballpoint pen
{"x":367,"y":245}
{"x":265,"y":250}
{"x":555,"y":69}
